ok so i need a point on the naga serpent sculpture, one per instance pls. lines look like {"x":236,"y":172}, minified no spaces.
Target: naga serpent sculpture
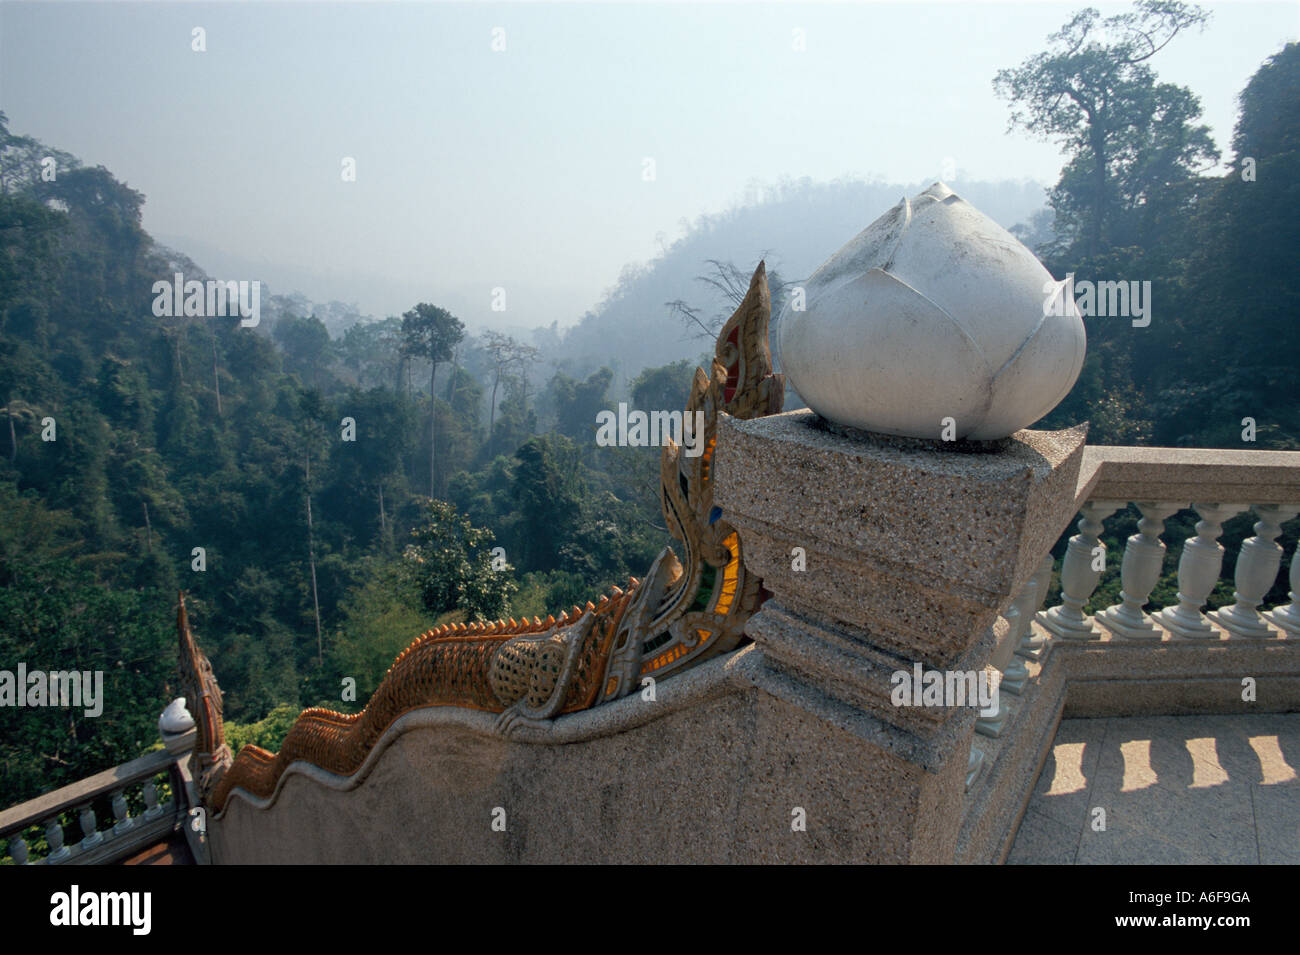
{"x":686,"y":610}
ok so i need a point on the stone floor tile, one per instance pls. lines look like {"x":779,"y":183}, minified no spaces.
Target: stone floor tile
{"x":1042,"y":840}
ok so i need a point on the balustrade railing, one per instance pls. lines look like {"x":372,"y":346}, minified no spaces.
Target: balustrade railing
{"x":1160,"y":482}
{"x":46,"y":820}
{"x":1217,"y":486}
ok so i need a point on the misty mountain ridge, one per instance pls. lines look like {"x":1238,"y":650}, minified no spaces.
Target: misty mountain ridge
{"x":795,"y":227}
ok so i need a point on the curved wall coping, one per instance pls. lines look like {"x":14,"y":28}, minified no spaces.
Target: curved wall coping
{"x":731,"y":673}
{"x":1164,"y":663}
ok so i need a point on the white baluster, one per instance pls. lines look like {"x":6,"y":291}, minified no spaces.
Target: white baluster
{"x":1021,"y":615}
{"x":1198,"y":572}
{"x":18,"y":849}
{"x":1008,"y":626}
{"x":54,"y":836}
{"x":124,"y":821}
{"x":90,"y":836}
{"x":1032,"y":644}
{"x":1080,"y":574}
{"x":1288,"y":617}
{"x":1144,"y":556}
{"x":1016,"y":674}
{"x":974,"y":766}
{"x":994,"y":724}
{"x":151,"y":808}
{"x":1257,"y":567}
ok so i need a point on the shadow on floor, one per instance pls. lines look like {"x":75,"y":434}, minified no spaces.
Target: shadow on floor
{"x":1169,"y":789}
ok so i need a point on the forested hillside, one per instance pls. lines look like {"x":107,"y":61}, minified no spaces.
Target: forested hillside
{"x":128,"y":440}
{"x":322,"y":499}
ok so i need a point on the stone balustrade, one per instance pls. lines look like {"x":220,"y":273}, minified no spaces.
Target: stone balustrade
{"x":1130,"y":658}
{"x":52,"y":815}
{"x":1161,"y":482}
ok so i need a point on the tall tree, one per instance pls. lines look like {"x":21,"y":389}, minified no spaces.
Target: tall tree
{"x":1129,"y":138}
{"x":430,"y":332}
{"x":450,"y":565}
{"x":731,"y":282}
{"x":546,"y":497}
{"x":578,"y":402}
{"x":507,"y":355}
{"x":306,"y":343}
{"x":311,"y":557}
{"x":370,"y":350}
{"x":1242,"y":252}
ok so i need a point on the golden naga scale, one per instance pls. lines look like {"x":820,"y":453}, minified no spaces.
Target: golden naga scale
{"x":685,"y":610}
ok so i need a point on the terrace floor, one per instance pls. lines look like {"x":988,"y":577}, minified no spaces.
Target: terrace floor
{"x":171,"y":851}
{"x":1174,"y":789}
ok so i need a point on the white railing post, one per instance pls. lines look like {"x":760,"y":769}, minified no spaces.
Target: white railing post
{"x":1000,"y":662}
{"x":993,"y":725}
{"x":974,"y":765}
{"x":1288,"y":617}
{"x":152,"y":810}
{"x":1031,"y":644}
{"x":90,"y":834}
{"x":1016,"y":674}
{"x":1257,"y":567}
{"x":1144,"y":556}
{"x":1085,"y":558}
{"x":54,"y":836}
{"x":124,"y":822}
{"x":1021,"y":617}
{"x":18,"y":849}
{"x":1198,"y":572}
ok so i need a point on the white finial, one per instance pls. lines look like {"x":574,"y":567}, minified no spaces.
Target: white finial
{"x":175,"y":718}
{"x":934,"y":322}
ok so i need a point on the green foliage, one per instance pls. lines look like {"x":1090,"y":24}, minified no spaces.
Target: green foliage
{"x":1240,"y":254}
{"x":306,"y":343}
{"x":369,"y":350}
{"x":550,"y":592}
{"x":450,"y":565}
{"x":431,"y":332}
{"x":1128,"y":138}
{"x":577,"y":402}
{"x":664,"y":388}
{"x":381,"y":615}
{"x":268,"y":733}
{"x":546,"y":491}
{"x":57,"y":617}
{"x":1132,"y":204}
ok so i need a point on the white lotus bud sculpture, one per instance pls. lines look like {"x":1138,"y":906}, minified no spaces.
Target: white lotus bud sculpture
{"x":175,"y":718}
{"x":934,"y":311}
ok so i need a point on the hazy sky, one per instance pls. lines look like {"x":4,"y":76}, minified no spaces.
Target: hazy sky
{"x":524,"y":168}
